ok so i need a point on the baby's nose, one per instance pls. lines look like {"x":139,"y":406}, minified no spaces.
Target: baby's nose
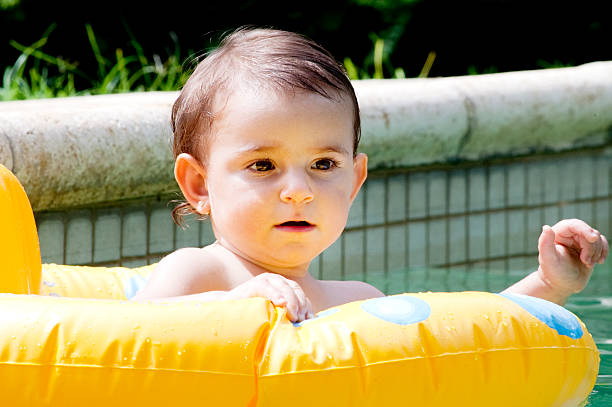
{"x":296,"y":190}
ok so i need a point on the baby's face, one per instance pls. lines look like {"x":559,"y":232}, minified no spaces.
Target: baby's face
{"x":281,"y":176}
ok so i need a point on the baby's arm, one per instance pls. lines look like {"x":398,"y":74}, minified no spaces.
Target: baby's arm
{"x":196,"y":275}
{"x":568,"y":251}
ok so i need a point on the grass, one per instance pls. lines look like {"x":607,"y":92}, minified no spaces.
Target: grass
{"x":378,"y":65}
{"x":36,"y":74}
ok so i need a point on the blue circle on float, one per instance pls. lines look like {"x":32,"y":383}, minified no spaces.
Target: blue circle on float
{"x":401,"y":310}
{"x":553,"y":315}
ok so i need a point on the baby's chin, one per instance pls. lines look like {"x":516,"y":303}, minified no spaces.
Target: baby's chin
{"x":292,"y":262}
{"x":288,"y":266}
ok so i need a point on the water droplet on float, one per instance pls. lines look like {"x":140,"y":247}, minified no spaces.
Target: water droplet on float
{"x":485,"y":316}
{"x":179,"y":353}
{"x":147,"y":340}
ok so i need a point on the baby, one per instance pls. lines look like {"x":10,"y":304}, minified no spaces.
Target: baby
{"x":265,"y":139}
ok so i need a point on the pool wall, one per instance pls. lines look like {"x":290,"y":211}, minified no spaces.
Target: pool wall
{"x":463,"y":173}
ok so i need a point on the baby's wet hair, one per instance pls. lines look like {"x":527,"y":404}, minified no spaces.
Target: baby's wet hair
{"x":269,"y":59}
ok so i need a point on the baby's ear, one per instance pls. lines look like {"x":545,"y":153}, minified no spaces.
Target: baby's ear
{"x":360,"y":173}
{"x":190,"y":175}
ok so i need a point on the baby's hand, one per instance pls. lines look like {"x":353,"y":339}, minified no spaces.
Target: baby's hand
{"x":568,"y":252}
{"x":282,"y":291}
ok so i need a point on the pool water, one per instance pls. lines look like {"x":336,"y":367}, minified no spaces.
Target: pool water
{"x":596,"y":312}
{"x":593,"y":306}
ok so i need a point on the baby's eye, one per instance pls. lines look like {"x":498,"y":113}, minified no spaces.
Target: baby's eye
{"x":262,"y":166}
{"x":324,"y":164}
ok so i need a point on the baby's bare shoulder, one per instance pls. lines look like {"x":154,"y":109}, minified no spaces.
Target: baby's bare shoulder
{"x":186,"y":271}
{"x":348,"y":291}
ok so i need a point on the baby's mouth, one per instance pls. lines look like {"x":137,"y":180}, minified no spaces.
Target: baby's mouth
{"x":296,"y":226}
{"x":296,"y":223}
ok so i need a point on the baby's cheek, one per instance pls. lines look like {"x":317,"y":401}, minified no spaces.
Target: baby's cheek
{"x":338,"y":209}
{"x":249,"y":213}
{"x":341,"y":200}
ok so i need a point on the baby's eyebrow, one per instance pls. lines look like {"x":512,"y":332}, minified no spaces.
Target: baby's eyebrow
{"x":252,"y":148}
{"x":332,"y":149}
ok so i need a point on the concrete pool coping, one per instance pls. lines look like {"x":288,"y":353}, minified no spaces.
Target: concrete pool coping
{"x":88,"y":150}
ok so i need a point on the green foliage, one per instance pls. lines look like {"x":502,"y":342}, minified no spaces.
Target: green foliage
{"x":8,"y":4}
{"x":35,"y":74}
{"x":473,"y":70}
{"x":378,"y":64}
{"x":375,"y":65}
{"x":385,"y":4}
{"x":25,"y":80}
{"x":555,"y":64}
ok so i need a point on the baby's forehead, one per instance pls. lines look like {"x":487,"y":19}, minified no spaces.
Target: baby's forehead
{"x":241,"y":85}
{"x":258,"y":120}
{"x":259,"y":101}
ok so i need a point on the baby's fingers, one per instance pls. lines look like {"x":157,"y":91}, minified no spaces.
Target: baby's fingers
{"x":605,"y":250}
{"x":309,"y":312}
{"x":546,"y":247}
{"x":579,"y":236}
{"x":280,"y":287}
{"x":303,"y":303}
{"x":591,"y":247}
{"x":569,"y":232}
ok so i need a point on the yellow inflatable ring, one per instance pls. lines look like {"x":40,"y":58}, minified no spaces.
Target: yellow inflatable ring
{"x":431,"y":349}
